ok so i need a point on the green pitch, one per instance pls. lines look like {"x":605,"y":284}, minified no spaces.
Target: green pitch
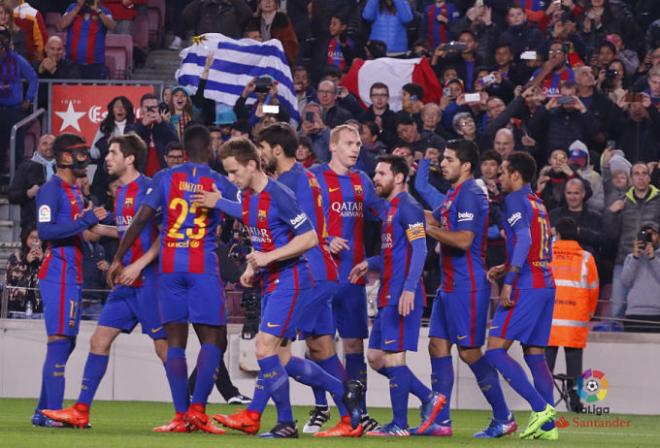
{"x":128,"y":424}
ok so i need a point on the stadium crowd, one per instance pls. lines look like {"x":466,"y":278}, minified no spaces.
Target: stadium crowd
{"x":574,"y":83}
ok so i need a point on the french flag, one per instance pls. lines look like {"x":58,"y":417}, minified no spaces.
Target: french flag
{"x":394,"y":73}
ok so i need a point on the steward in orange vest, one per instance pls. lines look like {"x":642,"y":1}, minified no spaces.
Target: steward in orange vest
{"x":576,"y":297}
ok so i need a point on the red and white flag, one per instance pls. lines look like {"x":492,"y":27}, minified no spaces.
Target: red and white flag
{"x":394,"y":73}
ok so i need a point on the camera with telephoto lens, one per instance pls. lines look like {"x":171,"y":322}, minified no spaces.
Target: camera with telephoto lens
{"x":454,"y":46}
{"x":262,"y":85}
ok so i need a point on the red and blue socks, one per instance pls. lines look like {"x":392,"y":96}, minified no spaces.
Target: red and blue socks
{"x":309,"y":373}
{"x":208,"y":361}
{"x":542,"y":381}
{"x":95,"y":368}
{"x":442,"y":381}
{"x":515,"y":375}
{"x":177,"y":376}
{"x":276,"y":382}
{"x":57,"y":354}
{"x":489,"y":383}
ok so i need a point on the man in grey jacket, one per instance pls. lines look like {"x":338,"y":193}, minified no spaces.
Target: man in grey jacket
{"x":641,"y":274}
{"x":622,"y":221}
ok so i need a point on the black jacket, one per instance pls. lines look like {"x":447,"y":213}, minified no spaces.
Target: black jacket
{"x":559,"y":128}
{"x":640,"y":141}
{"x":162,"y":134}
{"x":589,"y":226}
{"x":29,"y":173}
{"x":388,"y":135}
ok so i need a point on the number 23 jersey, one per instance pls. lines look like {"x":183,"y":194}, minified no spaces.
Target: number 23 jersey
{"x":188,"y":240}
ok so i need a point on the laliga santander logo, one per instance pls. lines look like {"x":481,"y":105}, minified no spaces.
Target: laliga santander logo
{"x":592,"y":386}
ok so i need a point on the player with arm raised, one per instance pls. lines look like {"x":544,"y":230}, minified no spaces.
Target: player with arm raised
{"x":278,"y":144}
{"x":133,"y":300}
{"x":460,"y":309}
{"x":401,"y":296}
{"x":348,"y":199}
{"x":189,"y":285}
{"x":62,"y":219}
{"x":527,"y":297}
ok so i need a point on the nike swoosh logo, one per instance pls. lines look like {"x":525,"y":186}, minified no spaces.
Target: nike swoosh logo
{"x":269,"y":325}
{"x":332,"y":190}
{"x":156,"y":330}
{"x":390,"y":341}
{"x":460,"y":338}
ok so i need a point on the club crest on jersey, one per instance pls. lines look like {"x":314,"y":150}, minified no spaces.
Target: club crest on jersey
{"x":358,"y":189}
{"x":128,"y":202}
{"x":513,"y":219}
{"x":261,"y":216}
{"x":44,"y":213}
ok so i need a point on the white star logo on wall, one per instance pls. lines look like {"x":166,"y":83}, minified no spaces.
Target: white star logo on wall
{"x":70,"y":118}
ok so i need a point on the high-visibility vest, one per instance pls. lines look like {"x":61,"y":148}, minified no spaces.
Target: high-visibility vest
{"x":576,"y":297}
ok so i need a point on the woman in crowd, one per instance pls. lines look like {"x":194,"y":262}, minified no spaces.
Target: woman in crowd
{"x":388,"y":23}
{"x":180,"y":112}
{"x":17,"y":35}
{"x":22,"y":273}
{"x":276,"y":25}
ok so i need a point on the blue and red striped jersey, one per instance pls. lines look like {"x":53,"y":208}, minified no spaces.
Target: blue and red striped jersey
{"x":272,"y":219}
{"x":188,"y":233}
{"x":528,"y":245}
{"x":437,"y":32}
{"x":403,"y":249}
{"x":533,"y":5}
{"x":308,"y":194}
{"x":552,"y":82}
{"x":347,"y":200}
{"x":465,"y":209}
{"x":85,"y":39}
{"x":128,"y":200}
{"x":61,"y":219}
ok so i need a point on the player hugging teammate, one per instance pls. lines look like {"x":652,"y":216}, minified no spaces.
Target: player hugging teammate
{"x":308,"y":254}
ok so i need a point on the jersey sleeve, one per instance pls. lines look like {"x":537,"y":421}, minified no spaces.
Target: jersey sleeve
{"x":428,"y":192}
{"x":48,"y":226}
{"x":228,"y":190}
{"x":290,"y":211}
{"x":517,"y":219}
{"x":411,"y":218}
{"x":468,"y":207}
{"x":155,"y":194}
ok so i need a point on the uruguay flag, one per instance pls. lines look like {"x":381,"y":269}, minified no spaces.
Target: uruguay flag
{"x":235,"y":63}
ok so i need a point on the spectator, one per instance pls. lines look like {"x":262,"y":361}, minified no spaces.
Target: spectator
{"x":641,"y":274}
{"x":215,"y":16}
{"x":388,"y":23}
{"x":87,"y":23}
{"x":55,"y":65}
{"x":31,"y":21}
{"x":13,"y":102}
{"x":380,"y":113}
{"x":466,"y":128}
{"x":600,"y":106}
{"x":579,"y":160}
{"x":552,"y":179}
{"x":265,"y":94}
{"x":340,"y":50}
{"x":603,"y":17}
{"x":431,"y":116}
{"x":276,"y":25}
{"x":622,"y":221}
{"x":504,"y":143}
{"x":562,"y":122}
{"x":175,"y":155}
{"x":119,"y":120}
{"x":219,"y":134}
{"x":314,"y":128}
{"x":22,"y":272}
{"x":637,"y":129}
{"x":155,"y":132}
{"x":520,"y":35}
{"x":240,"y":129}
{"x":305,"y":92}
{"x":436,"y":20}
{"x":464,"y":60}
{"x":629,"y":57}
{"x":333,"y":113}
{"x":180,"y":111}
{"x":588,"y":222}
{"x":616,"y":172}
{"x":653,"y":88}
{"x":408,"y":133}
{"x":124,"y":13}
{"x":304,"y":152}
{"x":17,"y":34}
{"x":576,"y":299}
{"x":370,"y":136}
{"x":611,"y":80}
{"x":30,"y":176}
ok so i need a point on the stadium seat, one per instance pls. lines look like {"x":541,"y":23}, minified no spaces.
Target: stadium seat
{"x":141,"y":32}
{"x":121,"y":47}
{"x":111,"y":61}
{"x":159,"y":7}
{"x":31,"y":138}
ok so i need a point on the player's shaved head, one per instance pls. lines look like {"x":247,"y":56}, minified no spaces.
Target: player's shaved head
{"x":241,"y":149}
{"x":197,"y":143}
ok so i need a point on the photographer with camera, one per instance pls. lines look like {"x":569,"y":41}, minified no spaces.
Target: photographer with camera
{"x":87,"y":23}
{"x":621,"y":222}
{"x":641,"y":273}
{"x":460,"y":55}
{"x":637,"y":128}
{"x":264,"y":88}
{"x":155,"y":132}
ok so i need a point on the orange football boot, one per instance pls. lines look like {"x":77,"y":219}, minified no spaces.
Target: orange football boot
{"x":196,"y":417}
{"x":176,"y":425}
{"x":341,"y":429}
{"x":245,"y":420}
{"x":76,"y":415}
